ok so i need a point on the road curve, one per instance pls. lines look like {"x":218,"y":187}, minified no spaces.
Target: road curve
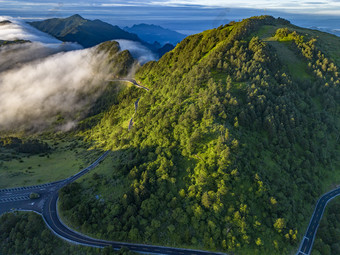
{"x":132,"y":81}
{"x":308,"y":239}
{"x":46,"y":205}
{"x":51,"y":218}
{"x":57,"y":226}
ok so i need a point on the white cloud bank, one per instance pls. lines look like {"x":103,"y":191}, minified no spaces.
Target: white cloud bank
{"x":331,"y":7}
{"x":40,"y":80}
{"x":66,"y":83}
{"x":324,"y":7}
{"x":42,"y":44}
{"x":137,"y":50}
{"x":20,"y":30}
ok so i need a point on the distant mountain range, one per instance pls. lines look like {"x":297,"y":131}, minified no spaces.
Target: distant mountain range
{"x":87,"y":33}
{"x":153,"y":33}
{"x":230,"y":148}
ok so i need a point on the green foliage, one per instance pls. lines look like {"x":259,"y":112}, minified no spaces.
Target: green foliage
{"x":327,"y":240}
{"x":66,"y":156}
{"x":31,"y":146}
{"x":115,"y":120}
{"x":26,"y":233}
{"x":119,"y":62}
{"x":226,"y":148}
{"x":34,"y":195}
{"x":220,"y":146}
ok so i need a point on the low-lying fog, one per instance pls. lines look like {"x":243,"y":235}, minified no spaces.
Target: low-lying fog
{"x":47,"y":78}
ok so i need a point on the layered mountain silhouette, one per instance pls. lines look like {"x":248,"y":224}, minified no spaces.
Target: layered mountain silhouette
{"x":236,"y":138}
{"x":153,"y":33}
{"x":87,"y":33}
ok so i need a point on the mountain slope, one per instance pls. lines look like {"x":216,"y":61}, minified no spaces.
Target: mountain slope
{"x":153,"y":33}
{"x":87,"y":33}
{"x":166,"y":48}
{"x":231,"y":147}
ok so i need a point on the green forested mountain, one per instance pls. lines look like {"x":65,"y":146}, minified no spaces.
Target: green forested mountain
{"x":327,"y":240}
{"x":230,"y":149}
{"x":166,"y":48}
{"x":236,"y":139}
{"x":87,"y":33}
{"x":26,"y":233}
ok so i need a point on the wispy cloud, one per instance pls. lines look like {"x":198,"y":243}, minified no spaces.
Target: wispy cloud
{"x":305,"y":6}
{"x":39,"y":80}
{"x":20,"y":30}
{"x":137,"y":50}
{"x":263,"y":4}
{"x":42,"y":80}
{"x":42,"y":44}
{"x":33,"y":95}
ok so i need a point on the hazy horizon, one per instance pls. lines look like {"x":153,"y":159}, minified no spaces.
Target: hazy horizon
{"x":176,"y":15}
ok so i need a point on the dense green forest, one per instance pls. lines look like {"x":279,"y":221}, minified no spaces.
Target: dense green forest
{"x":31,"y":157}
{"x":26,"y":233}
{"x":327,"y":240}
{"x":230,"y":148}
{"x":31,"y":146}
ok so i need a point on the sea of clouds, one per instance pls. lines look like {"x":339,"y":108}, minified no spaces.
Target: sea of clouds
{"x":137,"y":50}
{"x":65,"y":83}
{"x":48,"y":78}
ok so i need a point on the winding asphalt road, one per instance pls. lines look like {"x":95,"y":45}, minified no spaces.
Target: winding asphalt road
{"x":308,"y":239}
{"x":17,"y":199}
{"x":132,"y":81}
{"x":46,"y":205}
{"x":52,"y":220}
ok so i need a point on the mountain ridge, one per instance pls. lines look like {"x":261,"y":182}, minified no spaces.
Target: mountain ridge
{"x":230,"y":148}
{"x":87,"y":33}
{"x":154,"y":33}
{"x":223,"y":148}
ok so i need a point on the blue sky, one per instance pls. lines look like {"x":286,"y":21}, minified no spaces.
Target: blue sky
{"x":330,"y":7}
{"x":325,"y":7}
{"x":186,"y":16}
